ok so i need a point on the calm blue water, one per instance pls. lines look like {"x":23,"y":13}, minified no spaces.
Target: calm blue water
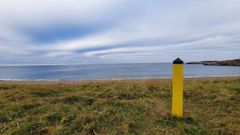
{"x":110,"y":71}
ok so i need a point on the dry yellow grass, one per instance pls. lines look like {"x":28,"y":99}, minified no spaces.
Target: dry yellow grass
{"x":211,"y":106}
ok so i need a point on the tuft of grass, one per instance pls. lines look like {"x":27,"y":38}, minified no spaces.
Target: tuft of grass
{"x":79,"y":100}
{"x":43,"y":92}
{"x":130,"y":107}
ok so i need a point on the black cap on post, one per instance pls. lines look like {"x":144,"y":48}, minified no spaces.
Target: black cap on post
{"x":178,"y":61}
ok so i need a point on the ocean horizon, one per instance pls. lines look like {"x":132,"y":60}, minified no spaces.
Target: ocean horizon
{"x":110,"y":71}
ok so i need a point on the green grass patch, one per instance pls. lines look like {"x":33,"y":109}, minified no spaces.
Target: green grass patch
{"x":127,"y":107}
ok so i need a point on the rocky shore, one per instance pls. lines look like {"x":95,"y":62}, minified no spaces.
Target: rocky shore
{"x":235,"y":62}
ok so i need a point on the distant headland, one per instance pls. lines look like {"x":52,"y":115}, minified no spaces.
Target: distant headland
{"x":235,"y":62}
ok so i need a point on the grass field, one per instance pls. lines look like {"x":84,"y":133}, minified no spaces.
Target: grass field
{"x":211,"y":106}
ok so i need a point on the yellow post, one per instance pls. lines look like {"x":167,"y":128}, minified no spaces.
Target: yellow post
{"x":177,"y":91}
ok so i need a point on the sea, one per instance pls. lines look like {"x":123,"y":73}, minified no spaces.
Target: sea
{"x":111,"y":71}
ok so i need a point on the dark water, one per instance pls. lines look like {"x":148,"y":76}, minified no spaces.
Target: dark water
{"x":110,"y":71}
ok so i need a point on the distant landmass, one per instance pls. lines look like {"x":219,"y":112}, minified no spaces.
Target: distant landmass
{"x":235,"y":62}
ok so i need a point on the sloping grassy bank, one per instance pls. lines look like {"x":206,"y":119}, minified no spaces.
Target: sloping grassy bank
{"x":212,"y":106}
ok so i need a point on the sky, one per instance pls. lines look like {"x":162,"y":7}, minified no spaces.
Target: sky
{"x":118,"y":31}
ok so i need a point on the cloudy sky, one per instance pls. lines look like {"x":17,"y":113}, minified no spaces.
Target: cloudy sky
{"x":118,"y":31}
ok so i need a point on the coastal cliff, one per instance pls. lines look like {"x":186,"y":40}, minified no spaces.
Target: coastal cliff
{"x":235,"y":62}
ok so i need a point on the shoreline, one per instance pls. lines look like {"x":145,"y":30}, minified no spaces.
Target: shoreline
{"x":118,"y":79}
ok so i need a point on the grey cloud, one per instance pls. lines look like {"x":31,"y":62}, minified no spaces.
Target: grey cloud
{"x":137,"y":31}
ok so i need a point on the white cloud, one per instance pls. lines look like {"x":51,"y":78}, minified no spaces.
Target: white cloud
{"x":137,"y":31}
